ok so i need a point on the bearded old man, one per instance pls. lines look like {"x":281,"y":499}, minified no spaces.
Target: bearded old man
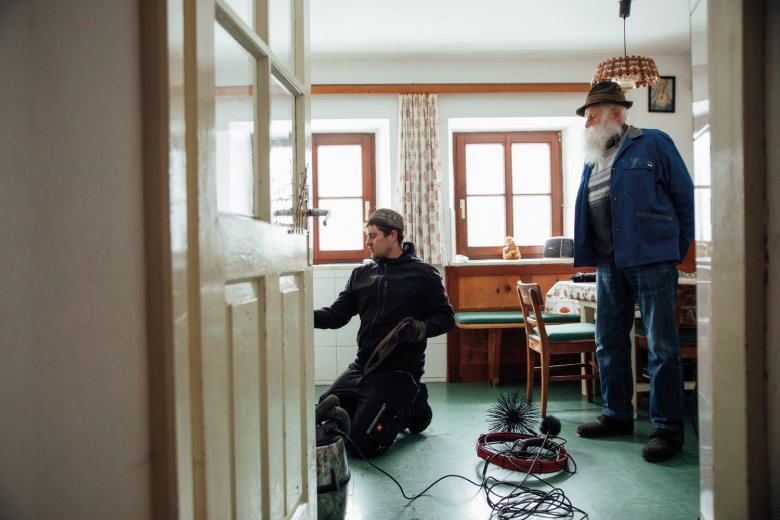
{"x":634,"y":222}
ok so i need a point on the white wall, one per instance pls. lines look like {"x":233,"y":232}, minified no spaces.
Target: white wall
{"x":73,"y":399}
{"x":470,"y":112}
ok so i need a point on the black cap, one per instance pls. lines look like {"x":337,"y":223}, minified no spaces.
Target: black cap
{"x":387,"y":218}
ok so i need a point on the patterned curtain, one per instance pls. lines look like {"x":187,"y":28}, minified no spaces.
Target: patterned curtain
{"x":420,"y":175}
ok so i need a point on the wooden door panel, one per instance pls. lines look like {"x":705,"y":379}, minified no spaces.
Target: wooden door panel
{"x":273,"y":443}
{"x":248,"y":422}
{"x":233,"y":404}
{"x":292,"y":297}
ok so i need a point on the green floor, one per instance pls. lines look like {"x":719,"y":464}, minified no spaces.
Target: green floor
{"x":612,"y":481}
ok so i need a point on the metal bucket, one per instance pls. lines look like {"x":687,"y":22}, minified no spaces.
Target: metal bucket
{"x":332,"y":480}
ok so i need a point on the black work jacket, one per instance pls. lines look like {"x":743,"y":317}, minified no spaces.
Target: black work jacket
{"x":382,"y":293}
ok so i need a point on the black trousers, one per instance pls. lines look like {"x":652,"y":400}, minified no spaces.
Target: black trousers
{"x":379,"y":406}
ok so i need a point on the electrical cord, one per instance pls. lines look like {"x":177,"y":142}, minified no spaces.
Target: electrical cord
{"x":520,"y":503}
{"x":403,"y":493}
{"x":523,"y":502}
{"x":384,"y":348}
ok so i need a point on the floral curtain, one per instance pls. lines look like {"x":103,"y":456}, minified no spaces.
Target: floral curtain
{"x":420,"y":174}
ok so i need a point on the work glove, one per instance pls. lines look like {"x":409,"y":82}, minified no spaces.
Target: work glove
{"x":413,"y":332}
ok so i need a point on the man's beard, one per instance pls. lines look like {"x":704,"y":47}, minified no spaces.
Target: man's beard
{"x":597,"y":137}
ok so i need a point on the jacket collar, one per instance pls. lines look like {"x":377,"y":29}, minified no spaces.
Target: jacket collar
{"x":631,"y":134}
{"x":409,"y":254}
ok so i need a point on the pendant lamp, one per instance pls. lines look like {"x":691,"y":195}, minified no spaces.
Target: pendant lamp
{"x":628,"y":71}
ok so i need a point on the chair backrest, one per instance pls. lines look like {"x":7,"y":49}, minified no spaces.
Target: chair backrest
{"x":685,"y":310}
{"x":530,"y":296}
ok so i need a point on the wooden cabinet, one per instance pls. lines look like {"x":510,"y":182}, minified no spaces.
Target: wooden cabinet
{"x":490,"y":285}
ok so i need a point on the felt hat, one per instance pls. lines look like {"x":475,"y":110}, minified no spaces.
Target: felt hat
{"x":604,"y":92}
{"x":387,"y":218}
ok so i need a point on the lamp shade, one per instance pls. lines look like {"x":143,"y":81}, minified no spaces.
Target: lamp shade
{"x":628,"y":71}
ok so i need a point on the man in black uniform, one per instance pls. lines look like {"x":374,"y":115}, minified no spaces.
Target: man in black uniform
{"x":401,"y":302}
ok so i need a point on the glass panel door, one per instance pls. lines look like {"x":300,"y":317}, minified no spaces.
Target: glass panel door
{"x":234,"y":72}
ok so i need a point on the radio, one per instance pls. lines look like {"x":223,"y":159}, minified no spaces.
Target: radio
{"x":559,"y":247}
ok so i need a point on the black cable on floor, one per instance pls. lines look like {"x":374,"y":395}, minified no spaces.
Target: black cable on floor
{"x":520,"y":502}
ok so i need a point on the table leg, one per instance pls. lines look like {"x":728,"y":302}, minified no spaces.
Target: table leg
{"x":587,"y":315}
{"x":494,"y":356}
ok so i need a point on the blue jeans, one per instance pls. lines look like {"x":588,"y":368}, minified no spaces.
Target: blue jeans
{"x":654,"y":287}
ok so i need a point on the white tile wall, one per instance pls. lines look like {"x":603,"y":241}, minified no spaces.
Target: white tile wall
{"x":334,"y":350}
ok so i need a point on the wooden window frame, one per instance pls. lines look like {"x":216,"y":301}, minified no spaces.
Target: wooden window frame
{"x":460,"y":140}
{"x":367,"y":143}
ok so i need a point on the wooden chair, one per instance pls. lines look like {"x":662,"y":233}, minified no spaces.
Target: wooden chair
{"x":551,"y":340}
{"x":685,"y":319}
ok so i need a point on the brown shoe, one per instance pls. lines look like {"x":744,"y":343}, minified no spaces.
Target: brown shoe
{"x":606,"y":426}
{"x":663,"y":445}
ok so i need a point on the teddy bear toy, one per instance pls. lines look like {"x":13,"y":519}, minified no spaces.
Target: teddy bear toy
{"x":511,"y":251}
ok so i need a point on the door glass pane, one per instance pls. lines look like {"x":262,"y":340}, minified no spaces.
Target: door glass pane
{"x":532,"y":219}
{"x":280,"y":30}
{"x":243,"y":9}
{"x":531,"y":168}
{"x":339,"y":171}
{"x":344,"y":231}
{"x":484,"y":169}
{"x":703,"y":217}
{"x":234,"y":69}
{"x":701,"y":160}
{"x":486,"y":221}
{"x":281,"y":167}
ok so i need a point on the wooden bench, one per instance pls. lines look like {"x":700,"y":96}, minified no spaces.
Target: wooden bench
{"x":494,"y":322}
{"x":490,"y":287}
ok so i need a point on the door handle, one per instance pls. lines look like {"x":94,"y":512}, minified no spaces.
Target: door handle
{"x":317,"y":212}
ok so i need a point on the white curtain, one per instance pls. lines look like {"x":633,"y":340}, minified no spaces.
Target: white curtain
{"x":420,"y":175}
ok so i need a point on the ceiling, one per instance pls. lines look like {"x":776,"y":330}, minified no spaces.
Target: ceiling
{"x":360,"y":29}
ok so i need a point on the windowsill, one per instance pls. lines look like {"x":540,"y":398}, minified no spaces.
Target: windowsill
{"x":522,"y":261}
{"x":335,"y":267}
{"x":496,"y":261}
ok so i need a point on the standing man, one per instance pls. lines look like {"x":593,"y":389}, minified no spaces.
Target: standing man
{"x":634,"y":221}
{"x":401,"y":302}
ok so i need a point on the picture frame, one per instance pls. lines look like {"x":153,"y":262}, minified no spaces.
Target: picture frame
{"x":661,"y":96}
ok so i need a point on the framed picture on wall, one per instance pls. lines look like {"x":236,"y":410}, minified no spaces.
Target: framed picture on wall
{"x":660,"y":97}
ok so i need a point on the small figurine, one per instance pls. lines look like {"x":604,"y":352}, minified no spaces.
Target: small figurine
{"x":511,"y":251}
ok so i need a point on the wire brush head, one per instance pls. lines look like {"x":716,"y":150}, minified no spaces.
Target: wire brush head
{"x":550,"y":425}
{"x":512,"y":414}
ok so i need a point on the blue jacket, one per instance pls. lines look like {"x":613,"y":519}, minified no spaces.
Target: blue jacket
{"x":652,"y":204}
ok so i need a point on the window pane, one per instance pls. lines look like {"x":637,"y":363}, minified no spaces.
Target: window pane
{"x":339,"y":171}
{"x":233,"y":73}
{"x":485,"y":169}
{"x":703,"y":213}
{"x":243,"y":8}
{"x":532,"y":220}
{"x":486,"y":222}
{"x":530,"y":168}
{"x":344,"y":231}
{"x":281,"y":182}
{"x":280,"y":30}
{"x":701,"y":160}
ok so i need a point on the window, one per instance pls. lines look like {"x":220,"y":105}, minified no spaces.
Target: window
{"x":343,"y":182}
{"x":507,"y":184}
